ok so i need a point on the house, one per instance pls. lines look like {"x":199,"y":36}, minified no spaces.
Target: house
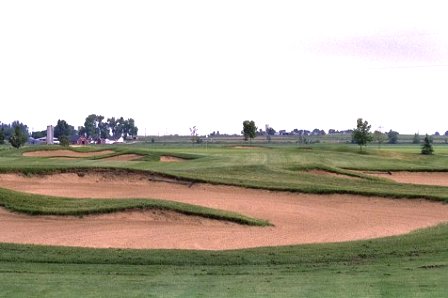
{"x":82,"y":141}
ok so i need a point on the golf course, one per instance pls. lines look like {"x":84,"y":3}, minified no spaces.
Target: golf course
{"x":223,"y":220}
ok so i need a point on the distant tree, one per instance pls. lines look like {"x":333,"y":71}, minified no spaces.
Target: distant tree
{"x":194,"y":134}
{"x":112,"y":124}
{"x":38,"y":134}
{"x":62,"y":128}
{"x":270,"y":131}
{"x":91,"y":126}
{"x":18,"y":138}
{"x":427,"y":146}
{"x":249,"y":130}
{"x":129,"y":128}
{"x":379,"y":137}
{"x":2,"y":136}
{"x":64,"y":140}
{"x":392,"y":137}
{"x":416,"y":139}
{"x":446,"y":133}
{"x":437,"y":134}
{"x":361,"y":134}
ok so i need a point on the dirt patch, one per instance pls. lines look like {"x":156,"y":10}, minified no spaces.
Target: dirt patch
{"x":332,"y":174}
{"x":298,"y":218}
{"x":65,"y":153}
{"x":424,"y":178}
{"x":123,"y":157}
{"x":167,"y":158}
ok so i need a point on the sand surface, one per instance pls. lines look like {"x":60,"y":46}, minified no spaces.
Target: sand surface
{"x":123,"y":157}
{"x":166,"y":158}
{"x":425,"y":178}
{"x":298,"y":218}
{"x":65,"y":153}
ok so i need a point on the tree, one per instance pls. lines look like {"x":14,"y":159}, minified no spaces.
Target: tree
{"x":2,"y":136}
{"x":361,"y":134}
{"x":249,"y":130}
{"x":416,"y":139}
{"x":18,"y":138}
{"x":63,"y":131}
{"x":379,"y":137}
{"x":427,"y":146}
{"x":91,"y":125}
{"x":392,"y":137}
{"x":194,"y":134}
{"x":270,"y":131}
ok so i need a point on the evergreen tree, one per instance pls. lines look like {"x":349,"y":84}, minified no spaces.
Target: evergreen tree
{"x":416,"y":139}
{"x":427,"y":146}
{"x":2,"y":136}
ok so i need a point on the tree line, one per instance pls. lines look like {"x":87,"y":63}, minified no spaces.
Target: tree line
{"x":362,"y":136}
{"x":95,"y":127}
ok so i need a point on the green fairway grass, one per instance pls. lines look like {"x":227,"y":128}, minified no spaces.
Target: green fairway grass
{"x":413,"y":265}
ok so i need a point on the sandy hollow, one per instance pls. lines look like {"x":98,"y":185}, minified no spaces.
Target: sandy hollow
{"x":298,"y":218}
{"x":123,"y":157}
{"x":167,"y":158}
{"x":424,"y":178}
{"x":65,"y":153}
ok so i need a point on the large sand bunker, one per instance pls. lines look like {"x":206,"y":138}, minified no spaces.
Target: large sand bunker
{"x":65,"y":153}
{"x":297,"y":218}
{"x":424,"y":178}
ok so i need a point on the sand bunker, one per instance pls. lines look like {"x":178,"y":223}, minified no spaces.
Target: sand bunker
{"x":167,"y":158}
{"x":65,"y":153}
{"x":298,"y":218}
{"x":424,"y":178}
{"x":123,"y":157}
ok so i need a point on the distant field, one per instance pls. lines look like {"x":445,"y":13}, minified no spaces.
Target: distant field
{"x":409,"y":265}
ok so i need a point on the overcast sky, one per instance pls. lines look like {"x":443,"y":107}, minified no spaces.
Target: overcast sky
{"x":174,"y":64}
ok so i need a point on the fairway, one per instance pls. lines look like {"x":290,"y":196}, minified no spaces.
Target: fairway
{"x":267,"y":215}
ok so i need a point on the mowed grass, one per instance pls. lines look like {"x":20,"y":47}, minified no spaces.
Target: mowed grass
{"x":414,"y":265}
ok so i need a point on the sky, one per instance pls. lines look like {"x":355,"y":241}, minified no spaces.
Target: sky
{"x":172,"y":65}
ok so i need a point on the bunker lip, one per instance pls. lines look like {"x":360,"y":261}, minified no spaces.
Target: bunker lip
{"x":297,"y":218}
{"x":332,"y":174}
{"x":423,"y":178}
